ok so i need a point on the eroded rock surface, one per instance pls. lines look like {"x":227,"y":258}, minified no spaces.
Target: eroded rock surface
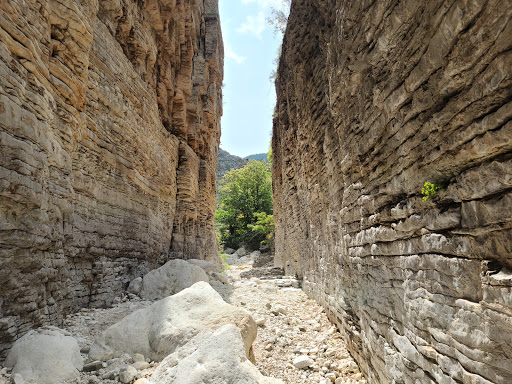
{"x":170,"y":323}
{"x":109,"y":132}
{"x":211,"y":357}
{"x":374,"y":100}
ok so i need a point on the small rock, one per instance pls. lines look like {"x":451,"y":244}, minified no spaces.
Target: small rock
{"x":339,"y":380}
{"x":17,"y":379}
{"x":141,"y":381}
{"x":131,"y":296}
{"x":110,"y":375}
{"x":93,"y":366}
{"x":280,"y":309}
{"x":127,"y":374}
{"x":140,"y":365}
{"x":261,"y":321}
{"x":85,"y":349}
{"x":135,"y":286}
{"x":331,"y":376}
{"x":302,"y":362}
{"x":222,"y":277}
{"x":138,"y":357}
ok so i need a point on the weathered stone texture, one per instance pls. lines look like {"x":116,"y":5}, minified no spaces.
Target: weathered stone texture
{"x":109,"y":132}
{"x":375,"y":99}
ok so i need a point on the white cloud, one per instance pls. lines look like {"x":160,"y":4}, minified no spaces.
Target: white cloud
{"x":229,"y":53}
{"x":254,"y":25}
{"x":264,"y":3}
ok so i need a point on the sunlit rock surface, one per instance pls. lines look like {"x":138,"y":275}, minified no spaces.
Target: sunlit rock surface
{"x":374,"y":100}
{"x":109,"y":132}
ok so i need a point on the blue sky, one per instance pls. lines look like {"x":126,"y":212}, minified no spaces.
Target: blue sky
{"x":250,"y":47}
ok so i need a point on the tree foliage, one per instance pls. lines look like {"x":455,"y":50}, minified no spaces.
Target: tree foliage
{"x":277,"y":21}
{"x":244,"y":194}
{"x":279,"y":16}
{"x":264,"y":226}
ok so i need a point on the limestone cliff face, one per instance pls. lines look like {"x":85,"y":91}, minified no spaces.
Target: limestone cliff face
{"x":375,"y":98}
{"x":109,"y":132}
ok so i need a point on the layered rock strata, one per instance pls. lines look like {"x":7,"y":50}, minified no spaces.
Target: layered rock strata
{"x":374,"y":100}
{"x":109,"y":132}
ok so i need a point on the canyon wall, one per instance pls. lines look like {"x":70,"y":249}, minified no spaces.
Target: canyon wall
{"x":109,"y":131}
{"x":375,"y":98}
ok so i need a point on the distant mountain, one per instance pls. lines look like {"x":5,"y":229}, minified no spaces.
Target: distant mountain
{"x":257,"y":156}
{"x":228,"y":161}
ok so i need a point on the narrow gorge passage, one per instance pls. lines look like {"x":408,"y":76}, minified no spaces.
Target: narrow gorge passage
{"x":295,"y":341}
{"x":391,"y":184}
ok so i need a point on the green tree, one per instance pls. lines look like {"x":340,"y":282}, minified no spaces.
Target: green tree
{"x":244,"y":193}
{"x":264,"y":225}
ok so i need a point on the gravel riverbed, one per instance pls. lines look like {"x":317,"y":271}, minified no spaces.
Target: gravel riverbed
{"x":295,"y":342}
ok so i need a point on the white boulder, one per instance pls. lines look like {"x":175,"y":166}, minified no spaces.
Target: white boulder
{"x":211,"y":357}
{"x":173,"y":277}
{"x":46,"y":355}
{"x":158,"y":330}
{"x":207,"y":266}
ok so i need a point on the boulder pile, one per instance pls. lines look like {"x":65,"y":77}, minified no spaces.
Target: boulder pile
{"x":190,"y":329}
{"x":170,"y":323}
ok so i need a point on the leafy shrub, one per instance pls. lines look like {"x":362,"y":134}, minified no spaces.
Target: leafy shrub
{"x":430,"y":190}
{"x":264,"y":225}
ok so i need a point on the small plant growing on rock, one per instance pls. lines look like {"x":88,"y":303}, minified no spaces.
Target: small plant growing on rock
{"x":430,"y":190}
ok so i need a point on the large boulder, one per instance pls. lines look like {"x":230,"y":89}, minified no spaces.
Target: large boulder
{"x":170,"y":323}
{"x":173,"y":277}
{"x":210,"y":357}
{"x":46,"y":355}
{"x":207,"y":266}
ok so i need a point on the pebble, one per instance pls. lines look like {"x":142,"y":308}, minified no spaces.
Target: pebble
{"x":302,"y":362}
{"x":127,"y":374}
{"x":93,"y":366}
{"x":138,"y":357}
{"x":261,"y":321}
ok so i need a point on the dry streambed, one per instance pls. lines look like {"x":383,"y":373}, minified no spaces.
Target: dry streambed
{"x":295,"y":342}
